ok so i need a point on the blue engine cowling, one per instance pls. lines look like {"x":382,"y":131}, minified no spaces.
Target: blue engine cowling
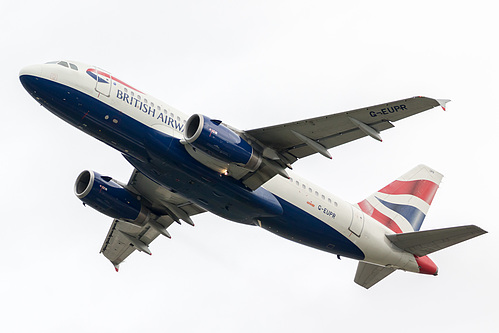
{"x":220,"y":142}
{"x":108,"y":197}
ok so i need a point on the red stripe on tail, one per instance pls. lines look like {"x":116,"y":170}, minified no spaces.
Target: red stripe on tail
{"x":423,"y":189}
{"x":368,"y":209}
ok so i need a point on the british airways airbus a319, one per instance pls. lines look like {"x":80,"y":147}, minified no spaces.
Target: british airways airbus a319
{"x":188,"y":165}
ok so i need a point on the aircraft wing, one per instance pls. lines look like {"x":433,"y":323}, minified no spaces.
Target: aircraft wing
{"x":124,"y":238}
{"x":284,"y":144}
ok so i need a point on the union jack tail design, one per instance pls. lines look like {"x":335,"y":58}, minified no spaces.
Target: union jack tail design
{"x":403,"y":204}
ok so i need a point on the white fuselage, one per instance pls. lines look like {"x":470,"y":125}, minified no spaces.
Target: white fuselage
{"x":348,"y":220}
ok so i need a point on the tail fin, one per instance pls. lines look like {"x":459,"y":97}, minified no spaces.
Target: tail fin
{"x":403,"y":204}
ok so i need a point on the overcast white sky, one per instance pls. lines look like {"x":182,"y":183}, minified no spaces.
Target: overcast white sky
{"x":251,"y":64}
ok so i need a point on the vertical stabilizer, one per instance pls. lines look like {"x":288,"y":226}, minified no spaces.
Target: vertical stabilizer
{"x":403,"y":204}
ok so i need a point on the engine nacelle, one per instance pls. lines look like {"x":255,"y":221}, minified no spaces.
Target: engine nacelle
{"x":109,"y":198}
{"x":217,"y":140}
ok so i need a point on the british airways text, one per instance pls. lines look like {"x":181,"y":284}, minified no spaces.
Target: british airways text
{"x":151,"y":111}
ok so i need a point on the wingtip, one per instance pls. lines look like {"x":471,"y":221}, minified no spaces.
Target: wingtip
{"x":443,"y":103}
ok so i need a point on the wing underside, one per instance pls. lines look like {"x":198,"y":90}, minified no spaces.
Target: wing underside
{"x":283,"y":144}
{"x":124,"y":237}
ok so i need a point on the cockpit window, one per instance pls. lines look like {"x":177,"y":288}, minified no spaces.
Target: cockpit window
{"x":64,"y":64}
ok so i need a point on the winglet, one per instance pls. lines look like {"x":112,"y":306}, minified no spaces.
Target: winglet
{"x":443,"y":103}
{"x":117,"y":267}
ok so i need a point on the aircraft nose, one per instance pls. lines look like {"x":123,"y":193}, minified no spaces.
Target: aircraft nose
{"x":32,"y":70}
{"x":29,"y":77}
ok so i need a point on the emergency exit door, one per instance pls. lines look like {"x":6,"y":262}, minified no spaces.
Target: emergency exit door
{"x":357,"y":223}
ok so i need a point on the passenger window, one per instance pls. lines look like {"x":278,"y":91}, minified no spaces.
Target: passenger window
{"x":323,"y":197}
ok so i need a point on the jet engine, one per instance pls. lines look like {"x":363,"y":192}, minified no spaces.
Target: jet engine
{"x":219,"y":142}
{"x":108,"y":197}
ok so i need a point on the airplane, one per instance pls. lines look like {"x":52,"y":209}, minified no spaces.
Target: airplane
{"x":184,"y":166}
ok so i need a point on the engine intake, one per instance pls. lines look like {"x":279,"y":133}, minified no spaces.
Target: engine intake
{"x":108,"y":197}
{"x":217,"y":140}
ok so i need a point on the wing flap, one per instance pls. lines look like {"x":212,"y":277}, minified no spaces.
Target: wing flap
{"x":291,"y":141}
{"x":115,"y":247}
{"x":328,"y":130}
{"x":123,"y":238}
{"x":422,"y":243}
{"x":301,"y":150}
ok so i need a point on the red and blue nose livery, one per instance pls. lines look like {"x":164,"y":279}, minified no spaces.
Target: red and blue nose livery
{"x":101,"y":76}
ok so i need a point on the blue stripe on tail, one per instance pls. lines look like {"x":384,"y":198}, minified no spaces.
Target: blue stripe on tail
{"x":410,"y":213}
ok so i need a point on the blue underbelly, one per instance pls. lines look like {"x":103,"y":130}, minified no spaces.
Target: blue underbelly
{"x":301,"y":227}
{"x":164,"y":159}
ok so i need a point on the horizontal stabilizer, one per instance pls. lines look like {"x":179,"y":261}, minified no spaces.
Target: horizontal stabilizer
{"x":422,"y":243}
{"x":369,"y":274}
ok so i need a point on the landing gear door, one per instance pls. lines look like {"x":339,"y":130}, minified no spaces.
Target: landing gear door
{"x":357,"y":224}
{"x":104,"y":81}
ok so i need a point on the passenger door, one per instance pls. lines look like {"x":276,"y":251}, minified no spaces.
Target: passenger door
{"x":104,"y":81}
